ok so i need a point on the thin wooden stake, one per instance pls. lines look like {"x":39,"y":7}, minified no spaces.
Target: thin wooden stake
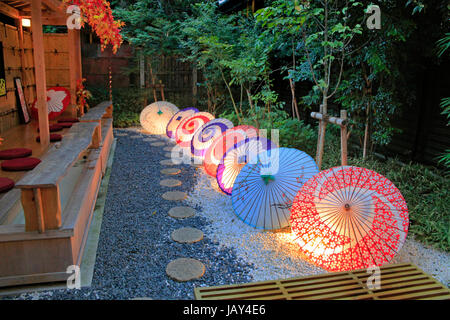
{"x":344,"y":154}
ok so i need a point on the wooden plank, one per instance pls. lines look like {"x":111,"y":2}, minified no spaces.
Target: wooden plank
{"x":60,"y":158}
{"x":103,"y":109}
{"x":401,"y":281}
{"x":9,"y":11}
{"x":16,"y":232}
{"x":39,"y":64}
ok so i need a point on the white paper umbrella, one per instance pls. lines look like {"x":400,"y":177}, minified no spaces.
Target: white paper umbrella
{"x":188,"y":127}
{"x":263,"y":192}
{"x":176,"y":120}
{"x":236,"y":158}
{"x":155,"y":117}
{"x":206,"y":135}
{"x":349,"y":218}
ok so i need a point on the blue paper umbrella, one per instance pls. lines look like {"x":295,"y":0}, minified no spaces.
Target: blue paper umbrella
{"x":263,"y":192}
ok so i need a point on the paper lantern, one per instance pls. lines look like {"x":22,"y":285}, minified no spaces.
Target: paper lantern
{"x":236,"y":158}
{"x":58,"y":98}
{"x":155,"y":117}
{"x":187,"y":128}
{"x":348,"y":218}
{"x":218,"y":148}
{"x":263,"y":192}
{"x":206,"y":135}
{"x":176,"y":120}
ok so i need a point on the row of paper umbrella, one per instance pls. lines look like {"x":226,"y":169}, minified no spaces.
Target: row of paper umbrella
{"x":343,"y":218}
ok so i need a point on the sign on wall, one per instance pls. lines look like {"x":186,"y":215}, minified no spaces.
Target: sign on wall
{"x":2,"y":73}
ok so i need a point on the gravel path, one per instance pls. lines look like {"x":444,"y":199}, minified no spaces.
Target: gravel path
{"x":135,"y":245}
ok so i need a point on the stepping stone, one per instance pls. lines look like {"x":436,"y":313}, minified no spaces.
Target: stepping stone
{"x":174,"y":195}
{"x":168,"y":155}
{"x":170,"y":183}
{"x":142,"y":298}
{"x":167,"y":162}
{"x":121,"y":134}
{"x":170,"y":171}
{"x":169,"y":148}
{"x":185,"y":269}
{"x":135,"y":137}
{"x":158,"y":144}
{"x":181,"y":212}
{"x":187,"y":235}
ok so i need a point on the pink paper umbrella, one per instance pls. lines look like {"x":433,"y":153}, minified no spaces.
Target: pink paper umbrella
{"x":218,"y":148}
{"x":188,"y":127}
{"x":58,"y":98}
{"x":176,"y":120}
{"x":348,"y":218}
{"x":236,"y":158}
{"x":206,"y":135}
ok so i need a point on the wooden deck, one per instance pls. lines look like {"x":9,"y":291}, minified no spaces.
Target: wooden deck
{"x":398,"y":282}
{"x":54,"y":234}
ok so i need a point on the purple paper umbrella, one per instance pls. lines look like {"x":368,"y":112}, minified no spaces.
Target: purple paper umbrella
{"x":176,"y":120}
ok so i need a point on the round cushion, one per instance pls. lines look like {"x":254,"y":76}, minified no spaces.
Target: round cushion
{"x":68,"y":120}
{"x":15,"y":153}
{"x":65,"y":124}
{"x":6,"y":184}
{"x":53,"y":137}
{"x":20,"y":164}
{"x":54,"y":127}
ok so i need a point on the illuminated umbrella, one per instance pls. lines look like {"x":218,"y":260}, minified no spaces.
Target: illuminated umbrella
{"x":206,"y":135}
{"x":176,"y":120}
{"x":348,"y":218}
{"x":155,"y":117}
{"x":263,"y":192}
{"x":58,"y":98}
{"x":226,"y":141}
{"x":237,"y":157}
{"x":187,"y":128}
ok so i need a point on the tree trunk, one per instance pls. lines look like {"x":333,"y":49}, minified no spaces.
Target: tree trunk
{"x":231,"y":96}
{"x":322,"y":131}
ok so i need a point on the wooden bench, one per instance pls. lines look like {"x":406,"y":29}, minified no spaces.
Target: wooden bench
{"x":40,"y":188}
{"x":103,"y":110}
{"x":397,"y":281}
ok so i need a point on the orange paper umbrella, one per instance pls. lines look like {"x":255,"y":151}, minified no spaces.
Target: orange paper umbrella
{"x":187,"y":128}
{"x":58,"y":98}
{"x":215,"y":153}
{"x":348,"y":218}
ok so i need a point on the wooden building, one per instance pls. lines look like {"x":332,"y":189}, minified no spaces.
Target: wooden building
{"x":44,"y":220}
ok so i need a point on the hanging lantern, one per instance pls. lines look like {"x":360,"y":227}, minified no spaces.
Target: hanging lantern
{"x":236,"y":158}
{"x":155,"y":117}
{"x":218,"y":148}
{"x":263,"y":192}
{"x":206,"y":135}
{"x":176,"y":120}
{"x":58,"y":98}
{"x":187,"y":128}
{"x":348,"y":218}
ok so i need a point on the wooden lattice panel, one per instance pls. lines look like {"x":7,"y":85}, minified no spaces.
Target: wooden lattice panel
{"x":397,"y":282}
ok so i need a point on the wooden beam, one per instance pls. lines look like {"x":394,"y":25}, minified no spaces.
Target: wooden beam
{"x":39,"y":69}
{"x":9,"y":11}
{"x":55,"y":5}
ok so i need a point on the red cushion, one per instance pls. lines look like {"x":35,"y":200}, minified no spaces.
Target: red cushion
{"x":15,"y":153}
{"x":54,"y":127}
{"x":66,"y":124}
{"x":68,"y":120}
{"x":20,"y":164}
{"x":6,"y":184}
{"x":53,"y":137}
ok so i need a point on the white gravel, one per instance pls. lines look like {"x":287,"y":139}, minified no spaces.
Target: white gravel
{"x":275,"y":255}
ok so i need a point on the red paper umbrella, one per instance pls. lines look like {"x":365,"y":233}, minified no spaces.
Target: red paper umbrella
{"x":348,"y":218}
{"x":187,"y":128}
{"x":218,"y":148}
{"x":58,"y":98}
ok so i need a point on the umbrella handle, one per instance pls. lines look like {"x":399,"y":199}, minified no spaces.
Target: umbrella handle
{"x":268,"y":178}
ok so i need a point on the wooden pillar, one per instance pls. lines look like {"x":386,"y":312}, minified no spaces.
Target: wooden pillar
{"x":39,"y":68}
{"x":75,"y":72}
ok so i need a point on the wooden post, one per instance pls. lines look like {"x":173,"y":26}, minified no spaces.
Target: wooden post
{"x":141,"y":70}
{"x":344,"y":154}
{"x":324,"y":119}
{"x":39,"y":68}
{"x":194,"y":86}
{"x":73,"y":59}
